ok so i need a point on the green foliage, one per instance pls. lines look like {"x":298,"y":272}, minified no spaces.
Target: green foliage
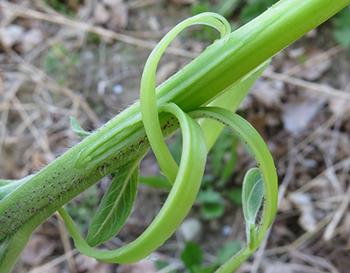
{"x":59,"y":62}
{"x":253,"y":8}
{"x":66,"y":7}
{"x":223,"y":157}
{"x":252,"y":194}
{"x":76,"y":127}
{"x":227,"y":251}
{"x":84,"y":209}
{"x":252,"y":197}
{"x":192,"y":257}
{"x":115,"y":206}
{"x":235,"y":195}
{"x":341,"y":29}
{"x":161,"y":264}
{"x":221,"y":164}
{"x":218,"y":75}
{"x":249,"y":9}
{"x":211,"y":204}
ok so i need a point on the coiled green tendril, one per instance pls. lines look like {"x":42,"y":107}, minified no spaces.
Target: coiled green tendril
{"x":259,"y":183}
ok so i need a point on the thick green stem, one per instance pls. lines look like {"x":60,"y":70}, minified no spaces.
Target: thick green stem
{"x":123,"y":138}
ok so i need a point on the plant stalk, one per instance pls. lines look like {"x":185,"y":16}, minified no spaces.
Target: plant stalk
{"x":123,"y":138}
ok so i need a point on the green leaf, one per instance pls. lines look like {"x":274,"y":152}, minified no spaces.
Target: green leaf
{"x":254,"y":8}
{"x":252,"y":197}
{"x":200,"y":8}
{"x":227,"y":251}
{"x":342,"y":36}
{"x":212,"y":204}
{"x":192,"y":256}
{"x":235,"y":196}
{"x":209,"y":196}
{"x":252,"y":194}
{"x":341,"y":31}
{"x":115,"y":206}
{"x":162,"y":264}
{"x":227,"y":7}
{"x":212,"y":211}
{"x":77,"y":128}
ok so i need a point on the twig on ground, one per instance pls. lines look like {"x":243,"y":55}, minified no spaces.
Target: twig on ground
{"x":321,"y":89}
{"x":314,"y":60}
{"x":48,"y":266}
{"x":330,"y":230}
{"x":24,"y":12}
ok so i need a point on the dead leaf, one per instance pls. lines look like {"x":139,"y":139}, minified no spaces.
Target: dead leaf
{"x":101,"y":14}
{"x":102,"y":268}
{"x":11,"y":35}
{"x":31,"y":39}
{"x":183,"y":2}
{"x":268,"y":92}
{"x":191,"y":229}
{"x":278,"y":268}
{"x":304,"y":203}
{"x":311,"y":71}
{"x":297,"y":116}
{"x":144,"y":266}
{"x":119,"y":16}
{"x":340,"y":107}
{"x":84,"y":263}
{"x":37,"y":250}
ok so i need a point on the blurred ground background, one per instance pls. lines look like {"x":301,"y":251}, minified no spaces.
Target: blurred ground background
{"x":62,"y":58}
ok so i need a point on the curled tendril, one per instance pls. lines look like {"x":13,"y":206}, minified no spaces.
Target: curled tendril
{"x":186,"y":177}
{"x":148,"y":102}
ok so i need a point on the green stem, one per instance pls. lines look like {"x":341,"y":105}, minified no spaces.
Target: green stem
{"x":123,"y":138}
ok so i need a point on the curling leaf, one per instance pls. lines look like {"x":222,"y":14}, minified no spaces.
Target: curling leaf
{"x":115,"y":206}
{"x":76,"y":127}
{"x":252,"y":197}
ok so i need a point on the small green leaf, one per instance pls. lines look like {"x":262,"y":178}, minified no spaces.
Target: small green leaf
{"x":341,"y":31}
{"x":235,"y":196}
{"x":342,"y":36}
{"x":254,"y":8}
{"x":200,"y":8}
{"x":77,"y":128}
{"x":192,"y":256}
{"x":227,"y":251}
{"x":227,"y":7}
{"x":252,"y":197}
{"x":252,"y":194}
{"x":209,"y":196}
{"x":212,"y":204}
{"x":212,"y":211}
{"x":115,"y":206}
